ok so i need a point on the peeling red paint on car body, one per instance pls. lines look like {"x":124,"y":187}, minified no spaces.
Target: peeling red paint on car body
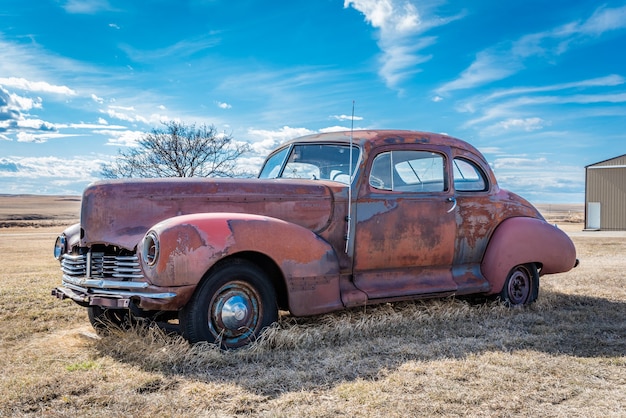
{"x":427,"y":219}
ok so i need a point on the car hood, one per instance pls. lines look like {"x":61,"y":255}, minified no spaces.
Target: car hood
{"x":120,"y":212}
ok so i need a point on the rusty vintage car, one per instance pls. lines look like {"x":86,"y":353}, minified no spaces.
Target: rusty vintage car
{"x":334,"y":221}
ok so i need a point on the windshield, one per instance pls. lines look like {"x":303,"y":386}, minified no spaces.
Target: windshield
{"x":312,"y":161}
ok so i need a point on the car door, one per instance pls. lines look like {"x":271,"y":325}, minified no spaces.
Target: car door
{"x":476,"y":219}
{"x":405,"y":226}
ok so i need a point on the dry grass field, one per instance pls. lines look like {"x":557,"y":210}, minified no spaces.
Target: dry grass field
{"x":565,"y":356}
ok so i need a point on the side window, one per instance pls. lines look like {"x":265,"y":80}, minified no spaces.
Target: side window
{"x":468,"y":177}
{"x":380,"y":175}
{"x":271,"y":169}
{"x":408,"y":171}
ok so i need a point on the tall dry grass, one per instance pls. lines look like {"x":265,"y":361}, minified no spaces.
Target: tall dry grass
{"x":563,"y":356}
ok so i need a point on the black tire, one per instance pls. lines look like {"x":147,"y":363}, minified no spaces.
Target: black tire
{"x":231,"y":306}
{"x":521,"y":286}
{"x":103,"y":319}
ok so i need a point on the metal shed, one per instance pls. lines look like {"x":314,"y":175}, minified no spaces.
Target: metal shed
{"x":605,"y":194}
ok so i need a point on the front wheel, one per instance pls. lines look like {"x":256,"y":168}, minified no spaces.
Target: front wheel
{"x":231,"y":306}
{"x":521,"y":286}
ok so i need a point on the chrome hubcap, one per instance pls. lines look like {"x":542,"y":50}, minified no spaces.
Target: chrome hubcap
{"x":234,"y":312}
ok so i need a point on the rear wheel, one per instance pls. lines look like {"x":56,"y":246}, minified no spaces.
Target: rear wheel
{"x":521,"y":286}
{"x":231,"y":306}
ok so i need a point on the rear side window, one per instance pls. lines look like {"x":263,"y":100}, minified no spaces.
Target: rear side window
{"x":408,"y":171}
{"x":468,"y":177}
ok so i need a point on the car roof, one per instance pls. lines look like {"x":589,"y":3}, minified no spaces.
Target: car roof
{"x":386,"y":137}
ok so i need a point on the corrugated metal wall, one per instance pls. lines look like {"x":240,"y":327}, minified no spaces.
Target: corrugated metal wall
{"x":606,"y":184}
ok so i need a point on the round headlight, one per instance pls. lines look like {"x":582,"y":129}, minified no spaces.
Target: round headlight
{"x":150,"y":253}
{"x":60,"y":246}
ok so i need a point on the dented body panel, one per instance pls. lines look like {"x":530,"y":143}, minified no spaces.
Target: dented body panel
{"x":427,"y":219}
{"x":552,"y":249}
{"x":193,"y":244}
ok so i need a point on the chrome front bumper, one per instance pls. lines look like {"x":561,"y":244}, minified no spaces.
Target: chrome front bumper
{"x":108,"y":293}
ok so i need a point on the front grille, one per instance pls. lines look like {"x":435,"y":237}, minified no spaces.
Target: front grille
{"x":99,"y":265}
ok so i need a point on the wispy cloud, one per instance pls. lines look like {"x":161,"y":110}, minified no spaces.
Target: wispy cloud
{"x":507,"y":58}
{"x":399,"y":24}
{"x":489,"y":66}
{"x":86,"y":6}
{"x":607,"y":81}
{"x":515,"y":124}
{"x":182,"y":49}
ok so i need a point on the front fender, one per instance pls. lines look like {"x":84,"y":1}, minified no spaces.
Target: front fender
{"x":526,"y":240}
{"x":190,"y":245}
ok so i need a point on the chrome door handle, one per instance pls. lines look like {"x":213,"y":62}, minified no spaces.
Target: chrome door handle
{"x":453,"y":200}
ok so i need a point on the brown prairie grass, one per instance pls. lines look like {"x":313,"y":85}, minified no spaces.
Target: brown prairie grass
{"x":563,"y":356}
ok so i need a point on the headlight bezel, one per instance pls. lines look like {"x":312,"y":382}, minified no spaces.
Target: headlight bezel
{"x":60,"y":246}
{"x":150,"y":248}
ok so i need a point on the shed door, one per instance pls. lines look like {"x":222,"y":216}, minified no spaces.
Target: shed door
{"x":593,"y":215}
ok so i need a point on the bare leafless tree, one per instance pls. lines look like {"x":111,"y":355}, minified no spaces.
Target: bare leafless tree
{"x":179,"y":150}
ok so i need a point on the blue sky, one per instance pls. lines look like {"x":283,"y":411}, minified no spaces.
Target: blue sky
{"x":539,"y":87}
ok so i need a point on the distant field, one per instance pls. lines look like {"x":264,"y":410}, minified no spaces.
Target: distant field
{"x":40,"y":210}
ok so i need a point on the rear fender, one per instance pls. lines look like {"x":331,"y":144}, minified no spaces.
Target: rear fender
{"x":190,"y":245}
{"x":526,"y":240}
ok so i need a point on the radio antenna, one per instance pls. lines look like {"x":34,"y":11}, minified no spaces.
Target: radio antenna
{"x":349,"y":216}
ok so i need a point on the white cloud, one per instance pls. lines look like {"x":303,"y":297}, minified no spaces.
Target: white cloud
{"x":97,"y":99}
{"x":82,"y":125}
{"x":39,"y":138}
{"x":388,"y":15}
{"x":335,"y":129}
{"x":128,"y":114}
{"x":36,"y":86}
{"x":399,"y":24}
{"x":490,"y":150}
{"x":346,"y":117}
{"x":49,"y":175}
{"x":264,"y":141}
{"x":223,"y":105}
{"x":517,"y":162}
{"x":121,"y":138}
